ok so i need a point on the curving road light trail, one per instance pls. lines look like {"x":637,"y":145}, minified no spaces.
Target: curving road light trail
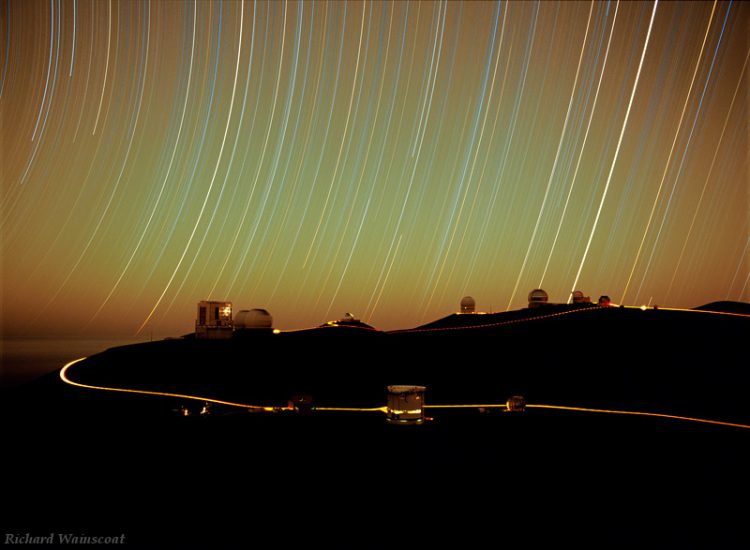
{"x":64,"y":377}
{"x":504,"y":407}
{"x":640,"y":413}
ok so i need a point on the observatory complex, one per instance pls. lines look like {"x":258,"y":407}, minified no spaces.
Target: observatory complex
{"x":539,"y":298}
{"x":214,"y":321}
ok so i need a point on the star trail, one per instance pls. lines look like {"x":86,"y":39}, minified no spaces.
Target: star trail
{"x":383,"y":158}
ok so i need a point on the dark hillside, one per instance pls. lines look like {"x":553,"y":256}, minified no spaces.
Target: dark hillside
{"x":102,"y":462}
{"x":727,"y":307}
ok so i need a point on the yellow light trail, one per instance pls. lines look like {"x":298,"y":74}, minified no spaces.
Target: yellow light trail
{"x":549,"y":407}
{"x":352,"y":409}
{"x":659,"y":308}
{"x":384,"y":409}
{"x":641,"y":413}
{"x":528,"y":319}
{"x":64,"y":378}
{"x":500,"y":323}
{"x":490,"y":406}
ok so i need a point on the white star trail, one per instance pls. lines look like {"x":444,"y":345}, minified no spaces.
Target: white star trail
{"x":617,"y":150}
{"x":383,"y":158}
{"x":582,"y":149}
{"x":684,"y":154}
{"x":73,"y":47}
{"x":106,"y":67}
{"x":112,"y":195}
{"x":52,"y":34}
{"x":554,"y":163}
{"x":7,"y":48}
{"x":211,"y":184}
{"x":464,"y":181}
{"x":164,"y":181}
{"x":669,"y":157}
{"x":343,"y":137}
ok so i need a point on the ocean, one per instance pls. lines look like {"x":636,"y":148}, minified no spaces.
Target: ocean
{"x":25,"y":359}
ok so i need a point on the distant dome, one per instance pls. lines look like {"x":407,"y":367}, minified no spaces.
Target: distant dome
{"x":538,"y":297}
{"x":253,"y":319}
{"x":468,"y":305}
{"x":348,"y":320}
{"x":580,"y":298}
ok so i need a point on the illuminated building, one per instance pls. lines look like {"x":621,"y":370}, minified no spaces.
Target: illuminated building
{"x":468,"y":305}
{"x":214,"y":320}
{"x":301,"y":403}
{"x":516,"y":403}
{"x":405,"y":404}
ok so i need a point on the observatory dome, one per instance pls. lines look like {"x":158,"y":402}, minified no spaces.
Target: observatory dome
{"x":348,"y":320}
{"x":253,"y":319}
{"x":580,"y":298}
{"x":538,"y":297}
{"x":468,"y":305}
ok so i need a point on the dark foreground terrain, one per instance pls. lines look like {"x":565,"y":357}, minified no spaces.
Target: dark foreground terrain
{"x":99,"y":463}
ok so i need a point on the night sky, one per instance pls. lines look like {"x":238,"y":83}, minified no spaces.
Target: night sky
{"x":383,"y":159}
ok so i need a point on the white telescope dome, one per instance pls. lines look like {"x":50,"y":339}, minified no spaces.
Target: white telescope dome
{"x":253,"y":319}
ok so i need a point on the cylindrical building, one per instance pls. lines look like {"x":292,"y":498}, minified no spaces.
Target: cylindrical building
{"x":405,"y":404}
